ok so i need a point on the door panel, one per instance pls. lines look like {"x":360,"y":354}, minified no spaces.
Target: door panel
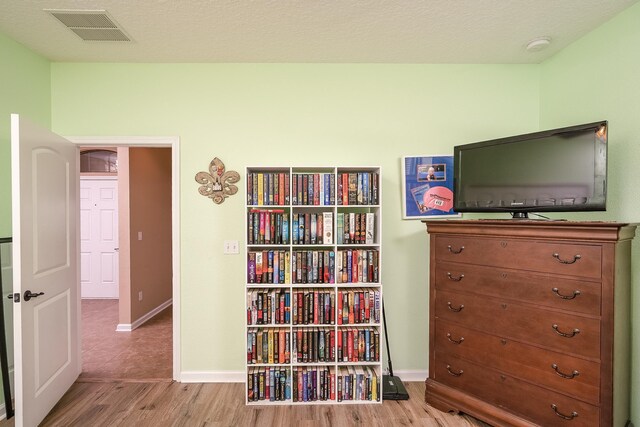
{"x":50,"y":226}
{"x":53,"y":329}
{"x":44,"y":169}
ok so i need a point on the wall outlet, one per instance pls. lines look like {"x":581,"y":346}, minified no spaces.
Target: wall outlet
{"x":140,"y":296}
{"x":139,"y":235}
{"x":231,"y":247}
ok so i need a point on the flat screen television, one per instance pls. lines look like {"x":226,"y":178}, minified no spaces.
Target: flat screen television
{"x":557,"y":170}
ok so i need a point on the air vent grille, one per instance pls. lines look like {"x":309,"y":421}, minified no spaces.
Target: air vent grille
{"x":91,"y":25}
{"x":101,"y":34}
{"x":85,"y":20}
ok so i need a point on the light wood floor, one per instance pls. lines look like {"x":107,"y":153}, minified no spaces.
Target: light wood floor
{"x":125,"y":383}
{"x":222,"y":404}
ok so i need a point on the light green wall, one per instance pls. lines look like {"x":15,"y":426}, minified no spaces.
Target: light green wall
{"x":25,"y":88}
{"x":330,"y":114}
{"x":294,"y":115}
{"x":596,"y":78}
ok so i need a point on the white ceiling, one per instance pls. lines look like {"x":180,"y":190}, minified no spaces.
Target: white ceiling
{"x":312,"y":31}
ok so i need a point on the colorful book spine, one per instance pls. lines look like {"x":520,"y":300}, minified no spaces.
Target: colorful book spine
{"x":327,"y":228}
{"x":369,"y":228}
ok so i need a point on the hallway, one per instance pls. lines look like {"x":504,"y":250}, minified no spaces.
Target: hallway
{"x":144,"y":354}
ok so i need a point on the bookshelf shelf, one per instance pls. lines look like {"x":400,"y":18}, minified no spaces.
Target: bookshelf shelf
{"x":316,"y":231}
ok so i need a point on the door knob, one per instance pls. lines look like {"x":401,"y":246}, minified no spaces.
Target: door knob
{"x":28,"y":295}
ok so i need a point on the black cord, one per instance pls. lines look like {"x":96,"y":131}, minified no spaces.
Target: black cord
{"x":386,"y":339}
{"x":541,"y":216}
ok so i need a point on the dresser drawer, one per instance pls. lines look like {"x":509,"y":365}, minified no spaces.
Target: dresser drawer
{"x":541,"y":405}
{"x":572,"y":295}
{"x":558,"y":331}
{"x":569,"y":375}
{"x":541,"y":256}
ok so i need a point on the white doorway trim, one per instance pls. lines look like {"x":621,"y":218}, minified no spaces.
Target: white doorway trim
{"x":157,"y":142}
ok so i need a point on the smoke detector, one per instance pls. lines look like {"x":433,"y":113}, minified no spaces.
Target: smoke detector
{"x":538,"y":44}
{"x":90,"y":25}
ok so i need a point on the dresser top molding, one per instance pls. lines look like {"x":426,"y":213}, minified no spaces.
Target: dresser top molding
{"x":596,"y":231}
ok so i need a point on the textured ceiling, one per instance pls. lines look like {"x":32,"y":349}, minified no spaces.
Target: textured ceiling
{"x":312,"y":31}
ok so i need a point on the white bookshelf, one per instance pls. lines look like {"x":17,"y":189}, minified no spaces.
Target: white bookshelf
{"x":313,"y":285}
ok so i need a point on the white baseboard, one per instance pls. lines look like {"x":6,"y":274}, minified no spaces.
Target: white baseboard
{"x":3,"y":412}
{"x":411,"y":376}
{"x":238,"y":376}
{"x":212,"y":377}
{"x":128,"y":327}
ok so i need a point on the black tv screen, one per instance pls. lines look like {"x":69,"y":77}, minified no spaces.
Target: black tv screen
{"x":554,"y":171}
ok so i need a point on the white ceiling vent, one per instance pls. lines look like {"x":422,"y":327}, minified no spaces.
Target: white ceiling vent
{"x":91,"y":25}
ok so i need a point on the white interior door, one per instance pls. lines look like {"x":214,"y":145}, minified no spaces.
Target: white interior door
{"x":99,"y":237}
{"x":45,"y":255}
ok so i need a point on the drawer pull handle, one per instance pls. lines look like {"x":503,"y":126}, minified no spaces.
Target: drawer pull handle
{"x":454,"y":340}
{"x":564,"y":261}
{"x":455,"y":374}
{"x":564,"y":334}
{"x":452,"y":308}
{"x":563,"y":375}
{"x":557,"y":292}
{"x":453,"y":278}
{"x":455,"y":251}
{"x":563,"y":416}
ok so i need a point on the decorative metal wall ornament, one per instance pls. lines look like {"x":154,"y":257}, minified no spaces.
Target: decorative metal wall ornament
{"x":217,"y":184}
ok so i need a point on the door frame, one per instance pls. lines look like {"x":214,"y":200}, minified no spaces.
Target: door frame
{"x":156,"y":142}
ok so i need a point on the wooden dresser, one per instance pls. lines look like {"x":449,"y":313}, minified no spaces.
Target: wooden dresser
{"x":530,"y":321}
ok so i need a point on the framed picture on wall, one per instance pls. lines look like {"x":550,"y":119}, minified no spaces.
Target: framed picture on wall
{"x":427,"y":187}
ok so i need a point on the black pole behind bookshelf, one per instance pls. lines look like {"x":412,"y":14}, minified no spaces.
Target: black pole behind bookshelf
{"x":4,"y":356}
{"x":392,"y":387}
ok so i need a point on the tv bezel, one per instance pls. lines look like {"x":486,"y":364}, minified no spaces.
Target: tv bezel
{"x":521,"y":211}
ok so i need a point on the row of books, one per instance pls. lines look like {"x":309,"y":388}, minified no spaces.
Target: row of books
{"x":313,"y":189}
{"x":358,"y":188}
{"x":312,"y":228}
{"x":313,"y":345}
{"x":321,"y":384}
{"x":268,"y":383}
{"x":357,"y":266}
{"x":358,"y":345}
{"x":358,"y":383}
{"x":268,"y":188}
{"x":309,"y":384}
{"x":355,"y":228}
{"x":271,"y":227}
{"x":269,"y":266}
{"x":268,"y":345}
{"x":313,"y":307}
{"x":268,"y":307}
{"x":267,"y":227}
{"x":313,"y":266}
{"x":357,"y":306}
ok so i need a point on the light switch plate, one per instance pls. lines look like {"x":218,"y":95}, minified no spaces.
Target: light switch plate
{"x":231,"y":247}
